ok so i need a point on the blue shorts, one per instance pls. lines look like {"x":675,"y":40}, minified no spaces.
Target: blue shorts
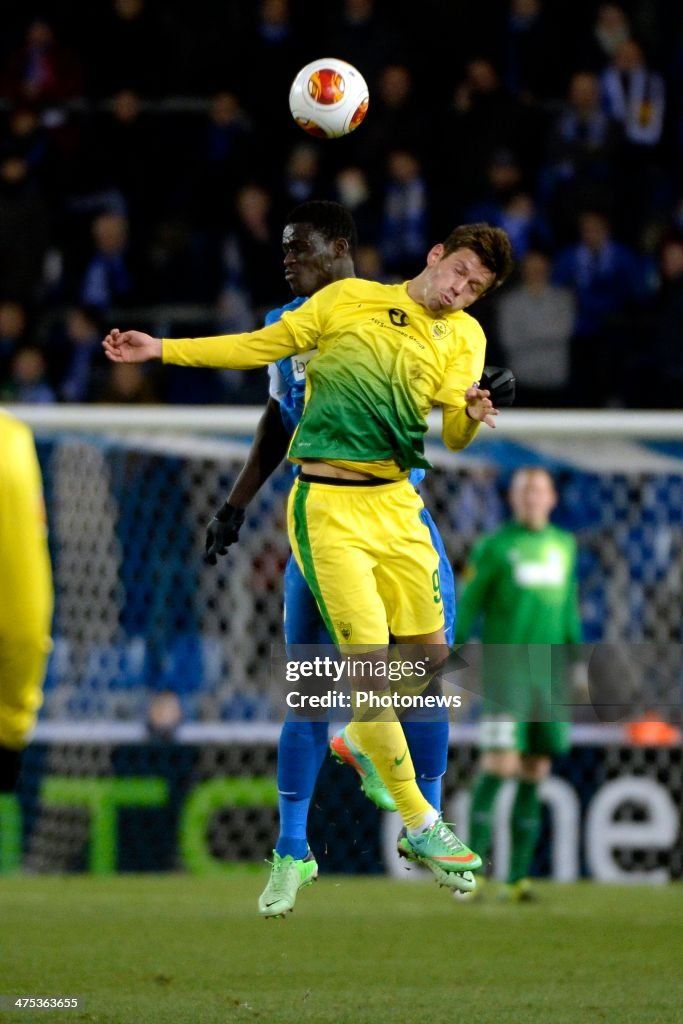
{"x":303,"y":622}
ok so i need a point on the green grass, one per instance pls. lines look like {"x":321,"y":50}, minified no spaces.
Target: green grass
{"x":177,"y":949}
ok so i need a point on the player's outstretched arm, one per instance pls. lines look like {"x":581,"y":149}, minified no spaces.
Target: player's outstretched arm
{"x":131,"y":346}
{"x":268,"y":449}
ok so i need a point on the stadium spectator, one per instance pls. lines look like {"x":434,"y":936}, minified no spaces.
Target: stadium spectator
{"x":369,"y":264}
{"x":130,"y":386}
{"x":302,"y":175}
{"x":132,"y":43}
{"x":251,"y":253}
{"x":107,"y":279}
{"x":512,"y":209}
{"x":635,"y":96}
{"x":41,"y":72}
{"x":275,"y":52}
{"x":608,"y":279}
{"x":503,"y":178}
{"x":49,"y":143}
{"x":405,"y":218}
{"x":610,"y":30}
{"x":76,"y":356}
{"x":12,"y":334}
{"x":352,"y":190}
{"x":661,"y":326}
{"x":28,"y":378}
{"x":579,"y":163}
{"x":528,"y":74}
{"x":126,"y":130}
{"x":26,"y":138}
{"x":399,"y":121}
{"x":219,"y":162}
{"x":485,"y":114}
{"x":23,"y":232}
{"x":535,"y":327}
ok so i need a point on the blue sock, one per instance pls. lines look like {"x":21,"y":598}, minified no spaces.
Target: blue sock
{"x":428,"y":745}
{"x":301,"y":751}
{"x":431,"y":790}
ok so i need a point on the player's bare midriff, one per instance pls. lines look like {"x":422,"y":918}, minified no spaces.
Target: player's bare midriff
{"x":318,"y":468}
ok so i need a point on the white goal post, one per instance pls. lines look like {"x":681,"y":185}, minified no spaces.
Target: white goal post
{"x":241,"y":420}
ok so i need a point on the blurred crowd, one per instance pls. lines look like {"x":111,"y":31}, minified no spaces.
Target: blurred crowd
{"x":148,"y":160}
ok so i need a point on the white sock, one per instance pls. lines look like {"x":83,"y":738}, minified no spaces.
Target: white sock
{"x":430,"y":817}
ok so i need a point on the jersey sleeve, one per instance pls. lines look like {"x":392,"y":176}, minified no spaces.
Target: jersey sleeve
{"x":574,"y":629}
{"x":464,"y":368}
{"x":308,"y":322}
{"x":479,"y":575}
{"x":240,"y":351}
{"x":277,"y":387}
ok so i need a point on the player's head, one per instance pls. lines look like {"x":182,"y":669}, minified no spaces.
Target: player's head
{"x":474,"y":259}
{"x":532,"y":496}
{"x":319,"y":242}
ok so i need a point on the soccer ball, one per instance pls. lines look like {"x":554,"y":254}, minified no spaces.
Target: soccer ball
{"x":328,"y":98}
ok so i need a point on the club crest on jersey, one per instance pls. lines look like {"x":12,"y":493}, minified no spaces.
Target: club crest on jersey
{"x":346,"y":629}
{"x":440,"y":329}
{"x":398,"y":317}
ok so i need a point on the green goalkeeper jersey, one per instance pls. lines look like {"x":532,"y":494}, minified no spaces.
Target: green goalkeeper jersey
{"x":523,"y":583}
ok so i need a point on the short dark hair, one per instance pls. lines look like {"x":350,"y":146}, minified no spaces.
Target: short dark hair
{"x":331,"y":219}
{"x":535,"y":469}
{"x":491,"y":245}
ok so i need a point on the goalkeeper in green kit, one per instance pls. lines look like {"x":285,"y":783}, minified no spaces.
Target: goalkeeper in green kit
{"x":522,"y":580}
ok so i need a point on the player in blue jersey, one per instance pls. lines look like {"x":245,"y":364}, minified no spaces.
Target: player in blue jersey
{"x":318,"y":241}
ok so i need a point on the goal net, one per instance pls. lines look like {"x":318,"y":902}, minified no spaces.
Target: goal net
{"x":129,"y":493}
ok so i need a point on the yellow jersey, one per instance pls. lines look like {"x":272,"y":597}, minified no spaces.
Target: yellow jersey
{"x":383,"y":362}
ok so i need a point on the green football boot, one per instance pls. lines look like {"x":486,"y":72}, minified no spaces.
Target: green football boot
{"x":287,"y":876}
{"x":477,"y":895}
{"x":371,"y":784}
{"x":439,"y":849}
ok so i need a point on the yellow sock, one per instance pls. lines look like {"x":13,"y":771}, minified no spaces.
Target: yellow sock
{"x":385,"y":744}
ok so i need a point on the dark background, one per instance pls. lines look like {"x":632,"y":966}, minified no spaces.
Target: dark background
{"x":148,"y":160}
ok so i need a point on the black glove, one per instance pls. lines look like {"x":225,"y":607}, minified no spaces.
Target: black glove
{"x":222,"y":531}
{"x":500,"y":381}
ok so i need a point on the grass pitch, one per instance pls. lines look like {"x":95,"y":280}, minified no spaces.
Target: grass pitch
{"x":184,"y":950}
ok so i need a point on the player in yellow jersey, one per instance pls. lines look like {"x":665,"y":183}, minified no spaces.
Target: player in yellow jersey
{"x":25,"y":594}
{"x":387,"y":354}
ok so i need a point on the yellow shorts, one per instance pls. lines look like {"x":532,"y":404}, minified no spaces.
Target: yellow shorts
{"x":25,"y":585}
{"x":368,"y":559}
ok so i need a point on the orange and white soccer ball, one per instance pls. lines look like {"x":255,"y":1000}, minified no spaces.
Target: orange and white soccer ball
{"x":329,"y":98}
